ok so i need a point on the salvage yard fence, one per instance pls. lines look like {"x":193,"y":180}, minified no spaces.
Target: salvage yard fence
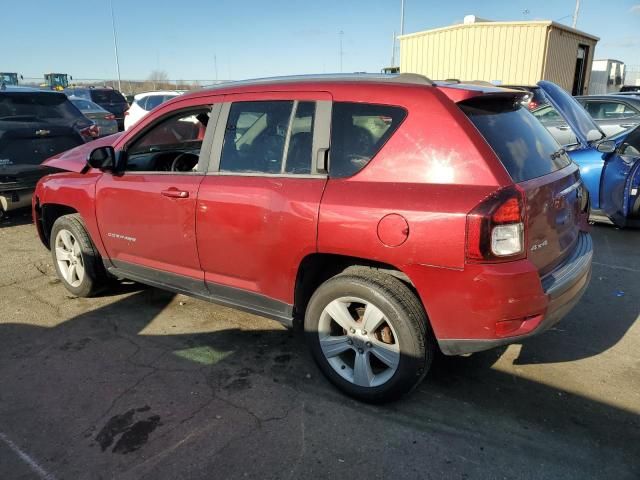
{"x":130,"y":87}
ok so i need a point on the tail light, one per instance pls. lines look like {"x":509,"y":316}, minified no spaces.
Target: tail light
{"x":111,"y":116}
{"x":533,"y":105}
{"x":496,"y":227}
{"x":126,"y":112}
{"x":91,"y":131}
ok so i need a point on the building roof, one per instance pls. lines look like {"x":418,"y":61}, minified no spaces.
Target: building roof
{"x":477,"y":23}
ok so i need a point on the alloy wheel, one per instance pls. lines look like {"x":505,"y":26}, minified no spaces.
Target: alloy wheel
{"x":358,"y":341}
{"x":69,"y":258}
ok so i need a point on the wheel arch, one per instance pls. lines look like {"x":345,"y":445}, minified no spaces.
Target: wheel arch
{"x":46,"y":215}
{"x":316,"y":268}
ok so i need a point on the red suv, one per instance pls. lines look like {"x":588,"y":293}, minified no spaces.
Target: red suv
{"x":392,"y":215}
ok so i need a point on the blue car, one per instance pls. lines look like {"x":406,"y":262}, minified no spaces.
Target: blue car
{"x":609,"y":166}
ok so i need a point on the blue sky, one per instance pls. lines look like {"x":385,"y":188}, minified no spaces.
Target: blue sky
{"x":261,"y":38}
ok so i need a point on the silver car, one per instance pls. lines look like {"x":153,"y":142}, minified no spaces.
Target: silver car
{"x":612,"y":113}
{"x":104,"y":120}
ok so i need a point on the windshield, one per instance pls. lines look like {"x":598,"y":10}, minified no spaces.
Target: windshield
{"x":9,"y":78}
{"x":525,"y":148}
{"x":59,"y":79}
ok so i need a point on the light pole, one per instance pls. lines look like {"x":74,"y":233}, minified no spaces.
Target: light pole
{"x":340,"y":33}
{"x":575,"y":14}
{"x":115,"y":45}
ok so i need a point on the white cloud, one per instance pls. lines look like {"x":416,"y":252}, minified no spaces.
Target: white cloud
{"x":635,"y":8}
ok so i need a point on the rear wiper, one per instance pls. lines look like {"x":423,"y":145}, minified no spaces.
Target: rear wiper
{"x":558,"y":153}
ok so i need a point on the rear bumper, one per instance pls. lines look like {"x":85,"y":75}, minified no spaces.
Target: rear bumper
{"x":15,"y":199}
{"x":563,"y":287}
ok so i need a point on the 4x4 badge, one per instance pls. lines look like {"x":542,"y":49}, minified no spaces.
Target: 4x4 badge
{"x":42,"y":133}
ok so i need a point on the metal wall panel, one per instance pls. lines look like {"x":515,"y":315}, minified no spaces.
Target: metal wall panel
{"x":560,"y":64}
{"x":507,"y":52}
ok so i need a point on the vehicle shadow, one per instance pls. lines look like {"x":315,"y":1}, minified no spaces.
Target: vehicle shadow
{"x":83,"y":383}
{"x":608,"y":309}
{"x":16,"y":218}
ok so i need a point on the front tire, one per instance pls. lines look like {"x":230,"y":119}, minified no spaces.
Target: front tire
{"x":75,"y":258}
{"x":369,"y":334}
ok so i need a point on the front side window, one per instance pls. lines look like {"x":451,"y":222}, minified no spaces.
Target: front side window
{"x":268,"y":137}
{"x":171,"y":145}
{"x":358,"y":132}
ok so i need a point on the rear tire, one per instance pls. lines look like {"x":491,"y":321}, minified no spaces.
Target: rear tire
{"x":378,"y":365}
{"x":635,"y":212}
{"x":76,"y":260}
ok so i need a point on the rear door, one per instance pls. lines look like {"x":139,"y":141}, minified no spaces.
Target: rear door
{"x":621,"y":178}
{"x":555,"y":196}
{"x":258,"y":205}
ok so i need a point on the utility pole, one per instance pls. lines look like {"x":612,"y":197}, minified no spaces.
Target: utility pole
{"x":575,"y":14}
{"x":393,"y":50}
{"x":341,"y":33}
{"x":401,"y":17}
{"x":115,"y":45}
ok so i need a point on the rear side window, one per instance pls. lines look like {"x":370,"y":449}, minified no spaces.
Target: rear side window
{"x":525,"y":148}
{"x":152,"y":101}
{"x":358,"y":132}
{"x":107,"y":96}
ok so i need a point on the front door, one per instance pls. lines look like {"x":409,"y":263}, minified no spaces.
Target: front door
{"x":620,"y":195}
{"x":258,"y":208}
{"x":146,"y":213}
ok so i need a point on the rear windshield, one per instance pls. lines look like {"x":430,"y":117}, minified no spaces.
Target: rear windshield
{"x":525,"y":148}
{"x":85,"y":105}
{"x":37,"y":106}
{"x":107,"y":96}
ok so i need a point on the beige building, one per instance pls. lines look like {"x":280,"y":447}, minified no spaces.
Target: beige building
{"x":511,"y":53}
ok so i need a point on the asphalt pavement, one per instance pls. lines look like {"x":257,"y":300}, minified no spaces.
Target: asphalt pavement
{"x":144,"y":384}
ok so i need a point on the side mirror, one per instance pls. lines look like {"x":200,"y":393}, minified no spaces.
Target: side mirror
{"x":102,"y":158}
{"x":606,"y":146}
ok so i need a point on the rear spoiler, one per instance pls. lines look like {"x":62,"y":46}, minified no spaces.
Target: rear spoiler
{"x":463,"y":92}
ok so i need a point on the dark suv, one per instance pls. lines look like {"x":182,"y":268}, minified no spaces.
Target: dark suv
{"x":108,"y":98}
{"x":388,"y":214}
{"x":34,"y":124}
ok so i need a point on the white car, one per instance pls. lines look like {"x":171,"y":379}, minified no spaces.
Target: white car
{"x":143,"y":103}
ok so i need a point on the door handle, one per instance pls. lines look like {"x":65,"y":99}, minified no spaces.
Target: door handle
{"x":175,"y":193}
{"x":563,"y":127}
{"x":627,"y":125}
